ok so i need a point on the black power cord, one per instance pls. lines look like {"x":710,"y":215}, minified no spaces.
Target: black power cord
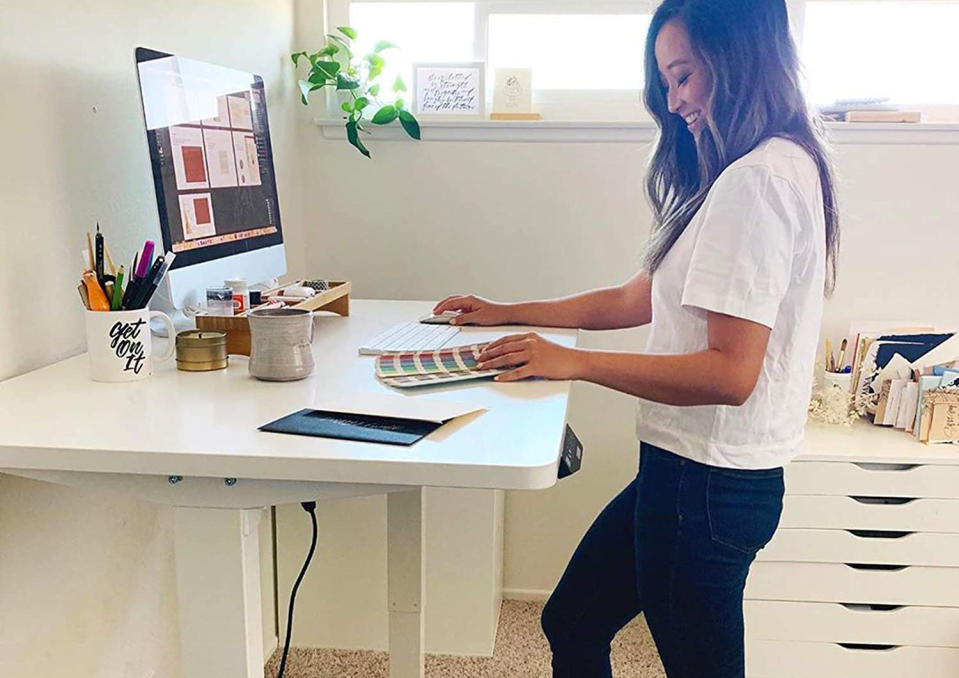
{"x":309,"y":507}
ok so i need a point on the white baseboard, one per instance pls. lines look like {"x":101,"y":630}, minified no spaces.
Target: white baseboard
{"x":527,"y":594}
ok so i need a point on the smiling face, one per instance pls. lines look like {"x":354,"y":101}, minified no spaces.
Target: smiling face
{"x":684,"y":76}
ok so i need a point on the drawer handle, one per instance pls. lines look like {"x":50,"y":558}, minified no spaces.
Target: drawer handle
{"x":872,"y":566}
{"x":879,"y":534}
{"x":873,"y":647}
{"x":867,"y":466}
{"x":884,"y":500}
{"x":871,"y":607}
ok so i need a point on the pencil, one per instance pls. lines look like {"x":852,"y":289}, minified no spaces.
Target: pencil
{"x":113,"y":267}
{"x":90,"y":252}
{"x":829,"y":362}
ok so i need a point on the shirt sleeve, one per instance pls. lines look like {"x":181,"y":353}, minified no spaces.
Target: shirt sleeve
{"x":742,"y":256}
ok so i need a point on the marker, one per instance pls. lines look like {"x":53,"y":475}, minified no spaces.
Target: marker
{"x":146,"y":259}
{"x":167,"y":261}
{"x":132,"y":285}
{"x":144,"y":285}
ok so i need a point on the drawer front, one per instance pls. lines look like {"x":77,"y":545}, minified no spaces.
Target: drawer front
{"x":864,"y":513}
{"x":847,"y":623}
{"x":837,"y":583}
{"x":926,"y":481}
{"x":785,"y":659}
{"x":883,"y":547}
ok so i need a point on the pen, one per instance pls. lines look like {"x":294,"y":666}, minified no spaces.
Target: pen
{"x":146,"y":283}
{"x":98,"y":261}
{"x":117,"y":291}
{"x":132,"y":286}
{"x":167,"y":261}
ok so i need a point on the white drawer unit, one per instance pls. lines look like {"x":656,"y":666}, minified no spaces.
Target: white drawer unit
{"x":862,"y":576}
{"x":876,"y":547}
{"x":793,"y":659}
{"x":849,"y":623}
{"x":865,"y":478}
{"x":840,"y":583}
{"x":870,"y":513}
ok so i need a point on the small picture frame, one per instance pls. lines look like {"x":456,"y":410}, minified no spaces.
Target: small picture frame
{"x":513,"y":90}
{"x":450,"y":90}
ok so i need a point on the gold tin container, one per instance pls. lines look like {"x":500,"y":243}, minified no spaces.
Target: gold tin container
{"x":201,"y":351}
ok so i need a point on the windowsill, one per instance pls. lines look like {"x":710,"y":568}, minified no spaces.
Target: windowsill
{"x":632,"y":131}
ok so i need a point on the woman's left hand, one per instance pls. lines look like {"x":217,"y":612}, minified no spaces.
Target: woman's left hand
{"x":533,"y":355}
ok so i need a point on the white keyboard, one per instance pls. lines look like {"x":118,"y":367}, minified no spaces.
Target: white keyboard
{"x":410,"y":336}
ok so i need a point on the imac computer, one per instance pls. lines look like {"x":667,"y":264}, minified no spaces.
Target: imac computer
{"x":209,"y":141}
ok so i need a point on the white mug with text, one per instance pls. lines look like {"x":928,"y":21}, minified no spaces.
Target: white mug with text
{"x":119,"y":345}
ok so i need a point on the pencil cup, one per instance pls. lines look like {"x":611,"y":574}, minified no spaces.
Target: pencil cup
{"x":841,"y":380}
{"x":119,"y":344}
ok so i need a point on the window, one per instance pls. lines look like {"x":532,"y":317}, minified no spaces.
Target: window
{"x":587,"y":56}
{"x":905,"y":50}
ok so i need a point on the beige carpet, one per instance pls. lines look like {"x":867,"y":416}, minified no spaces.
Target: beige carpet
{"x":521,"y":650}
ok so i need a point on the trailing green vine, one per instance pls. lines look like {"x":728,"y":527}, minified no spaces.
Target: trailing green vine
{"x":336,"y":66}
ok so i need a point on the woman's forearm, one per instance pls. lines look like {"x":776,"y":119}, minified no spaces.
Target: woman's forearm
{"x":704,"y":378}
{"x":601,"y":309}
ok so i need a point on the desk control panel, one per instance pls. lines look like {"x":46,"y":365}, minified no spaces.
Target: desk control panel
{"x":572,"y":454}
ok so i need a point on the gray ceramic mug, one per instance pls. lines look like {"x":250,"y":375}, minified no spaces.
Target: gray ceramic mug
{"x":281,"y":344}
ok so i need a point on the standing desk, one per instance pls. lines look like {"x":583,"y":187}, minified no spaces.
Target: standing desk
{"x":189,"y":440}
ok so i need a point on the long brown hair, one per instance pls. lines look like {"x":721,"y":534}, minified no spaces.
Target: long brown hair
{"x":756,"y":95}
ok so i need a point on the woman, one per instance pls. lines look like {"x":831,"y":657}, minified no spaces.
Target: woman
{"x":743,"y":248}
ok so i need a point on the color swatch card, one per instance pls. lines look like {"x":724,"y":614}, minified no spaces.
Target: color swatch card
{"x":424,"y":368}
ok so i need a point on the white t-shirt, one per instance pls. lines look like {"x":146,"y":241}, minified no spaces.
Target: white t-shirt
{"x":754,"y":250}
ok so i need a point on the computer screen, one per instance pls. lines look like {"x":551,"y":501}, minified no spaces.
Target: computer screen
{"x":209,"y":140}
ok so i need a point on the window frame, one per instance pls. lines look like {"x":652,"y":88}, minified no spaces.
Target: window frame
{"x":572,"y":114}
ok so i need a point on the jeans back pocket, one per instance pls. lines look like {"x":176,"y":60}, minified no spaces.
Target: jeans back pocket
{"x":743,"y":507}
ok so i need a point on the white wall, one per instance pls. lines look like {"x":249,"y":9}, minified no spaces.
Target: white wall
{"x":86,"y":580}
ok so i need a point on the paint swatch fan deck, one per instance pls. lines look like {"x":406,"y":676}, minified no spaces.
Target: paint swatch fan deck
{"x":426,"y":368}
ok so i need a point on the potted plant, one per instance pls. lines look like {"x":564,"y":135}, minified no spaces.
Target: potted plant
{"x":354,"y":79}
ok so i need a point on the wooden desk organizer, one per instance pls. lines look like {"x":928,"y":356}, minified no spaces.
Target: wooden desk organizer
{"x":237,"y":328}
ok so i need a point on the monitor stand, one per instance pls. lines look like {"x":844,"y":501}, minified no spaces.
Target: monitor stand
{"x":183,"y":318}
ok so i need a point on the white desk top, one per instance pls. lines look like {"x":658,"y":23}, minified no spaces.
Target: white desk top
{"x":205,"y":423}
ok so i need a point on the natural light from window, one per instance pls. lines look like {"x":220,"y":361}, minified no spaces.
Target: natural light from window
{"x":906,"y":50}
{"x":424,"y":31}
{"x":572,"y":51}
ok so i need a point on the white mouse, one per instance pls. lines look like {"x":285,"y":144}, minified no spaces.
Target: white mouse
{"x":441,"y":319}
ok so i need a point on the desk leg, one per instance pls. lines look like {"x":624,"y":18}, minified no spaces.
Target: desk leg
{"x":406,"y":563}
{"x":218,"y":588}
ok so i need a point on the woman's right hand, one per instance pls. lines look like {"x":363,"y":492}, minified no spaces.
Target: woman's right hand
{"x":475,"y":310}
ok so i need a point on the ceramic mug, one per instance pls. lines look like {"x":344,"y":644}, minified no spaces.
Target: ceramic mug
{"x":119,"y":344}
{"x":281,"y":344}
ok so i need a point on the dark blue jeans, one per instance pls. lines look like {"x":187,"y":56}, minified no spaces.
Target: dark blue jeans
{"x":676,"y":544}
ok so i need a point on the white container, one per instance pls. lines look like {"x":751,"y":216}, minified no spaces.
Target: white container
{"x":841,"y":380}
{"x":119,"y":345}
{"x":241,"y":295}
